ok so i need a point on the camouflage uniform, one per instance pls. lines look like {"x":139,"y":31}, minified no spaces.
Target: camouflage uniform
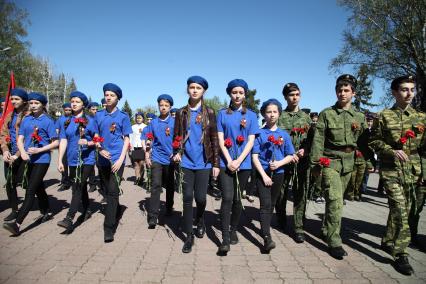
{"x":400,"y":179}
{"x":335,"y":137}
{"x":288,"y":121}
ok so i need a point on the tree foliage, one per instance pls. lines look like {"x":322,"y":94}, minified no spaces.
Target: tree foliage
{"x":148,"y":109}
{"x":364,"y":93}
{"x":389,"y":36}
{"x":127,"y":109}
{"x":215,"y":103}
{"x":252,"y":102}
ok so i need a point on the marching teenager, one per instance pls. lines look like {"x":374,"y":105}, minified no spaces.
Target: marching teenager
{"x":92,"y":109}
{"x":195,"y":128}
{"x":237,"y":127}
{"x":76,"y":142}
{"x":36,"y":138}
{"x":65,"y":179}
{"x":137,"y":152}
{"x":159,"y":159}
{"x":272,"y":150}
{"x":114,"y":129}
{"x":13,"y":165}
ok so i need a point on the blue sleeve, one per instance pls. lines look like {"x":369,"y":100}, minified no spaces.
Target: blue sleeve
{"x":288,"y":149}
{"x":127,"y":126}
{"x":96,"y":124}
{"x":256,"y":146}
{"x":62,"y":134}
{"x":146,"y":130}
{"x":254,"y":125}
{"x":51,"y":130}
{"x":22,"y":127}
{"x":219,"y":122}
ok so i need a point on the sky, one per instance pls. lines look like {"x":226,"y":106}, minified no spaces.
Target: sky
{"x":150,"y":48}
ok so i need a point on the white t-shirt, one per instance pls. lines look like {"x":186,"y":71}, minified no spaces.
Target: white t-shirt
{"x":135,"y":137}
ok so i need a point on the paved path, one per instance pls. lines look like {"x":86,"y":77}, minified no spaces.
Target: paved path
{"x":138,"y":255}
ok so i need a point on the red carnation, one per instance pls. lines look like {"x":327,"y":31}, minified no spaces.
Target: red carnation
{"x":98,"y":139}
{"x":358,"y":154}
{"x":325,"y":162}
{"x":271,"y":138}
{"x":150,"y":136}
{"x":176,"y":144}
{"x":228,"y":143}
{"x":410,"y":134}
{"x":7,"y":139}
{"x":403,"y":140}
{"x":240,"y":139}
{"x":279,"y":141}
{"x":178,"y":138}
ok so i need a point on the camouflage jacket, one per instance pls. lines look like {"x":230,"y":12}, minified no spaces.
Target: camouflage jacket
{"x":336,"y":137}
{"x":388,"y":134}
{"x":292,"y":122}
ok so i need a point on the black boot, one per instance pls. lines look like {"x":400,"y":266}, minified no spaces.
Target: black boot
{"x":108,"y":236}
{"x":299,"y":238}
{"x":234,"y":237}
{"x":11,"y":216}
{"x":224,"y":247}
{"x":337,"y":252}
{"x":66,"y":223}
{"x":201,"y":228}
{"x":87,"y":214}
{"x":152,"y":221}
{"x":402,"y":265}
{"x":12,"y":227}
{"x":268,"y":244}
{"x":189,"y":242}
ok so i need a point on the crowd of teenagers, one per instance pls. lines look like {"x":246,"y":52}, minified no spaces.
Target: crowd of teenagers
{"x":323,"y":156}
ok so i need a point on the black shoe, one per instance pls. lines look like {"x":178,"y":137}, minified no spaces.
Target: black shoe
{"x":189,"y":242}
{"x":234,"y":237}
{"x":45,"y":217}
{"x":268,"y":244}
{"x":92,"y":188}
{"x":224,"y":248}
{"x":152,"y":221}
{"x":402,"y":266}
{"x":64,"y":187}
{"x":337,"y":252}
{"x":11,"y":216}
{"x":87,"y":215}
{"x":108,"y":236}
{"x":12,"y":227}
{"x":282,"y":222}
{"x":66,"y":223}
{"x":201,"y":229}
{"x":169,"y":212}
{"x":299,"y":238}
{"x":386,"y":248}
{"x":323,"y":237}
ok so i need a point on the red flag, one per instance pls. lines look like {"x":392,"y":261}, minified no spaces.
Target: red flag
{"x":8,"y":107}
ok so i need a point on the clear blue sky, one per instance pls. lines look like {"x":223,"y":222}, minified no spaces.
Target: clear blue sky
{"x":152,"y":47}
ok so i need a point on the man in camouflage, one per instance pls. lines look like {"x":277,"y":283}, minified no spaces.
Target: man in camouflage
{"x":397,"y":136}
{"x":332,"y":157}
{"x":296,"y":122}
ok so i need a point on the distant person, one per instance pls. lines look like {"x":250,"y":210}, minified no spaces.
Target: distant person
{"x":64,"y":119}
{"x":173,"y":112}
{"x":137,"y":151}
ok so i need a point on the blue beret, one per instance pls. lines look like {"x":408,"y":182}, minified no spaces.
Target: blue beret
{"x":173,"y":110}
{"x":81,"y":96}
{"x":38,"y":97}
{"x":139,"y":113}
{"x":103,"y":101}
{"x":237,"y":83}
{"x":151,"y":115}
{"x":199,"y":80}
{"x":165,"y":97}
{"x":271,"y":102}
{"x":19,"y":93}
{"x":92,"y":104}
{"x":113,"y":88}
{"x":66,"y":105}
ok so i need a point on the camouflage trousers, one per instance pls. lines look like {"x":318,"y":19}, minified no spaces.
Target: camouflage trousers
{"x":354,"y":186}
{"x":334,"y":185}
{"x":404,"y":212}
{"x":299,"y":198}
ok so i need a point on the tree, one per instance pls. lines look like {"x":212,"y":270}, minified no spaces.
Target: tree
{"x":363,"y":91}
{"x":389,"y":36}
{"x":127,"y":109}
{"x":252,"y":103}
{"x":215,"y":104}
{"x":148,"y":108}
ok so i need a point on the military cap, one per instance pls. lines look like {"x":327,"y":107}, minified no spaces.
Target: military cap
{"x":38,"y":97}
{"x":290,"y":87}
{"x":66,"y":105}
{"x":81,"y":96}
{"x":165,"y":97}
{"x":199,"y":80}
{"x":140,"y":113}
{"x":313,"y":114}
{"x":237,"y":83}
{"x":347,"y":79}
{"x":113,"y":88}
{"x":151,"y":115}
{"x":370,"y":116}
{"x":18,"y":92}
{"x":92,"y":104}
{"x":402,"y":79}
{"x":173,"y":110}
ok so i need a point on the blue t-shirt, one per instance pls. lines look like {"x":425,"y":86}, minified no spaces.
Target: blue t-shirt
{"x":72,"y":135}
{"x":145,"y":131}
{"x":113,"y":127}
{"x":162,"y":130}
{"x":268,"y":151}
{"x":12,"y":134}
{"x":45,"y":129}
{"x":231,"y":125}
{"x":60,"y":121}
{"x":194,"y":157}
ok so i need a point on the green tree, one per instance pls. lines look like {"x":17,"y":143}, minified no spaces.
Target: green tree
{"x":148,"y":108}
{"x":389,"y":36}
{"x":215,"y":103}
{"x":252,"y":102}
{"x":363,"y":91}
{"x":127,"y":109}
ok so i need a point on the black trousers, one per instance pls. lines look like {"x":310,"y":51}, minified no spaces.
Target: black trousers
{"x":112,"y":192}
{"x":231,"y":207}
{"x":35,"y":174}
{"x":268,"y":197}
{"x":17,"y":168}
{"x":65,"y":179}
{"x":79,"y":189}
{"x":195,"y":185}
{"x":162,"y":176}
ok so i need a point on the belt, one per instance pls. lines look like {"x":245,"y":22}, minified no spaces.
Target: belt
{"x":345,"y":149}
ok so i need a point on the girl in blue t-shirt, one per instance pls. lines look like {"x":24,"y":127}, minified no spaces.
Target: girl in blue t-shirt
{"x":13,"y":164}
{"x":272,"y":150}
{"x":237,"y":127}
{"x":195,"y":129}
{"x":37,"y":136}
{"x":158,"y":158}
{"x":75,"y":136}
{"x":113,"y":127}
